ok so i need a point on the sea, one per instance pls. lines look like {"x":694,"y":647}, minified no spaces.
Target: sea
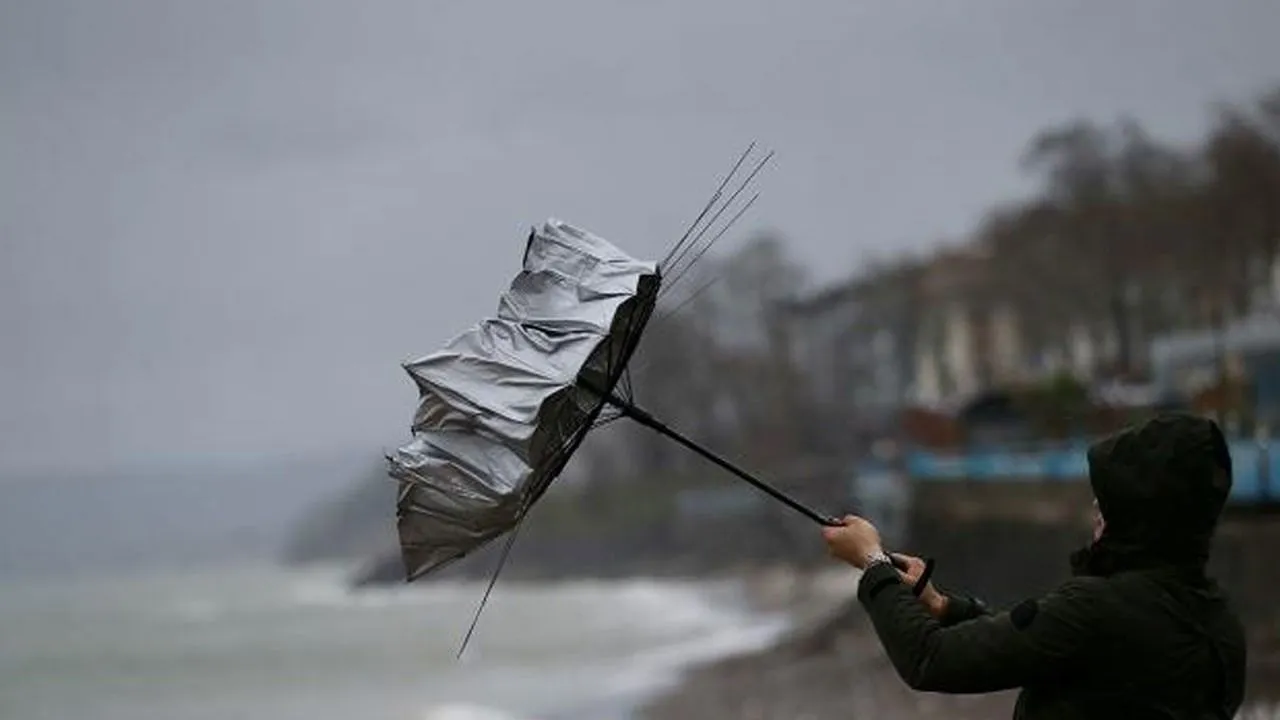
{"x":257,"y":642}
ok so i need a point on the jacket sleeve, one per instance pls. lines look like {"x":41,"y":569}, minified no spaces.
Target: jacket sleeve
{"x":1037,"y":641}
{"x":962,"y":608}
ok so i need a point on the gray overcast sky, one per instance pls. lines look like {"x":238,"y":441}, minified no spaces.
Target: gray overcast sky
{"x":224,"y":224}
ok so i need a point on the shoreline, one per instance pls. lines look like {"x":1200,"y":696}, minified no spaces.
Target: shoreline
{"x":824,"y":660}
{"x":771,"y":605}
{"x":829,"y":663}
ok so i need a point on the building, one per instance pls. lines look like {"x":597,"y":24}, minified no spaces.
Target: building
{"x":1248,"y":349}
{"x":971,"y":337}
{"x":927,"y":333}
{"x":855,"y":342}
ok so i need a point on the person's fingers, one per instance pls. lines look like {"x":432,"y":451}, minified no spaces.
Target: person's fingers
{"x":910,"y":563}
{"x":909,"y":568}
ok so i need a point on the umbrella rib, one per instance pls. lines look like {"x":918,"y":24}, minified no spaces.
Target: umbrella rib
{"x":493,"y":580}
{"x":687,"y":301}
{"x":680,"y":244}
{"x":624,"y":378}
{"x":669,"y":315}
{"x":710,"y":203}
{"x":714,"y":239}
{"x":609,"y":420}
{"x":723,"y":207}
{"x":624,"y":383}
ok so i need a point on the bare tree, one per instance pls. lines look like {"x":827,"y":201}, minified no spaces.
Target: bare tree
{"x":1245,"y":197}
{"x":1106,"y":194}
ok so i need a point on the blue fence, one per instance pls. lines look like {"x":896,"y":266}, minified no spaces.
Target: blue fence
{"x":1256,"y":467}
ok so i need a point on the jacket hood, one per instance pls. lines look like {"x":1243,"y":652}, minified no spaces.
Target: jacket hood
{"x":1161,"y":487}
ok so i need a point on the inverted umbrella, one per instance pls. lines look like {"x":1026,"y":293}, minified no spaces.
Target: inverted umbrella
{"x":505,"y":404}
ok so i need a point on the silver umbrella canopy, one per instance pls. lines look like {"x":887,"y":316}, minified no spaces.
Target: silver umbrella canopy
{"x":504,"y":405}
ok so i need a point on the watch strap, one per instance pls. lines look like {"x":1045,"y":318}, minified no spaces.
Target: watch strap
{"x":879,"y":557}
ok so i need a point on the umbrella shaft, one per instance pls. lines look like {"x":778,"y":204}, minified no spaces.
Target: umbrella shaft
{"x":644,"y":418}
{"x":640,"y":416}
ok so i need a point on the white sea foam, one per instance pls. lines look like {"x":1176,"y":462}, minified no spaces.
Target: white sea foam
{"x":656,"y":669}
{"x":464,"y":711}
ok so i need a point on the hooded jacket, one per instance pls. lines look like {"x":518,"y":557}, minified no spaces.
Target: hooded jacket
{"x":1139,"y":631}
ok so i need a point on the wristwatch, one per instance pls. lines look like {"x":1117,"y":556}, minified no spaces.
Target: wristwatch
{"x":877,"y":558}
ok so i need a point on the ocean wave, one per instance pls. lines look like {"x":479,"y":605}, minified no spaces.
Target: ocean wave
{"x":684,"y":623}
{"x":654,"y":670}
{"x":639,"y":606}
{"x":670,"y":604}
{"x":462,"y":711}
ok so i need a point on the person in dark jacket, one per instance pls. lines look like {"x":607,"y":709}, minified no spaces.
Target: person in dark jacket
{"x":1139,"y":631}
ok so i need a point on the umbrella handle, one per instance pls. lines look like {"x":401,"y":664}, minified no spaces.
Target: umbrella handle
{"x":925,"y":577}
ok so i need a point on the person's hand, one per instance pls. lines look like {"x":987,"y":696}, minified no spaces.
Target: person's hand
{"x":855,"y":541}
{"x":910,"y":569}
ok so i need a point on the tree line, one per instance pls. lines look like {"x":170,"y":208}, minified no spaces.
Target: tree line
{"x":1138,"y":237}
